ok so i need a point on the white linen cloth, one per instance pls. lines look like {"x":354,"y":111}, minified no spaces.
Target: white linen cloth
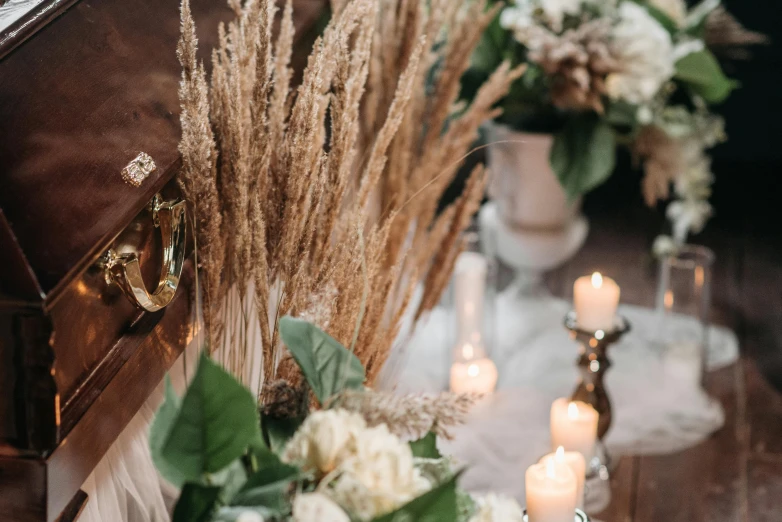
{"x":657,"y":406}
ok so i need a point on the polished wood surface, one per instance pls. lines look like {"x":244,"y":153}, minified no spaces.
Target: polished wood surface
{"x":736,"y":474}
{"x":80,"y":100}
{"x":93,"y":87}
{"x":21,"y":19}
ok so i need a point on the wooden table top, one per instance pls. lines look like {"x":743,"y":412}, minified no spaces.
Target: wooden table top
{"x":735,"y":475}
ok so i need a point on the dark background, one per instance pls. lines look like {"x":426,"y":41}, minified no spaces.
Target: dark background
{"x":748,"y":166}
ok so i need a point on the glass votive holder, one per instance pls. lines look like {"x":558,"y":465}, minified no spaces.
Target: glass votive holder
{"x":473,"y":312}
{"x":683,"y":308}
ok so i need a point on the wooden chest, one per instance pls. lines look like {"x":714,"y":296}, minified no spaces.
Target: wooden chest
{"x":86,"y":87}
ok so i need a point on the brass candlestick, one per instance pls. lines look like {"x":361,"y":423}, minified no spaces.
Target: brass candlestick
{"x":592,"y":363}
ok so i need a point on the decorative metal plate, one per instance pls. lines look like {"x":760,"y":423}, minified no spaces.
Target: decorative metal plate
{"x":137,"y":170}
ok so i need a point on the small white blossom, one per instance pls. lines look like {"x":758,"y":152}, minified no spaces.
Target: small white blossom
{"x":310,"y":507}
{"x":496,"y":508}
{"x":249,"y":516}
{"x":644,"y":52}
{"x":523,"y":13}
{"x":325,"y":439}
{"x":688,"y":215}
{"x":379,"y":477}
{"x":687,"y":47}
{"x":663,"y":246}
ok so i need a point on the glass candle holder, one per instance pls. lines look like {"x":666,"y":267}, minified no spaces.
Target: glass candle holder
{"x":473,"y":293}
{"x":683,"y":308}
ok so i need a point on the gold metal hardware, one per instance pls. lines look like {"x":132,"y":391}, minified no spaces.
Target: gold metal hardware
{"x":124,"y":269}
{"x":138,"y":169}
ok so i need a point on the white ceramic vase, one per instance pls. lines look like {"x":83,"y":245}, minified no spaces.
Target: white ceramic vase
{"x":535,"y":228}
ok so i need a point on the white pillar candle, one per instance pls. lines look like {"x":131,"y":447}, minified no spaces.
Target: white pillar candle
{"x":596,"y":299}
{"x":574,"y":427}
{"x":474,"y":376}
{"x":551,"y":492}
{"x":469,"y":289}
{"x":577,"y":464}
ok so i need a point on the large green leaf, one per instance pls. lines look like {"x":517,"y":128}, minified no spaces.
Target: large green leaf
{"x":703,"y":74}
{"x":583,"y":154}
{"x":426,"y":447}
{"x":328,"y":366}
{"x":158,"y":433}
{"x":216,"y":422}
{"x":196,"y":503}
{"x":268,"y":487}
{"x":437,"y":505}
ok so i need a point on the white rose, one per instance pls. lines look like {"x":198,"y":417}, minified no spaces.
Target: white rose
{"x":676,"y":10}
{"x":311,"y":507}
{"x":324,"y":439}
{"x":644,"y":51}
{"x":496,"y":508}
{"x":379,"y":477}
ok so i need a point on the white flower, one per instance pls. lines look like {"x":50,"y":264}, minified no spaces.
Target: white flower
{"x":676,"y":10}
{"x":663,"y":246}
{"x":555,"y":11}
{"x":310,"y":507}
{"x":687,"y":47}
{"x":325,"y":439}
{"x":688,"y":215}
{"x":249,"y":516}
{"x":379,"y":476}
{"x":522,"y":14}
{"x":496,"y":508}
{"x":644,"y":51}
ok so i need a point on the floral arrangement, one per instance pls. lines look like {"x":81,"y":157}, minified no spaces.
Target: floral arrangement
{"x":639,"y":73}
{"x":327,"y":450}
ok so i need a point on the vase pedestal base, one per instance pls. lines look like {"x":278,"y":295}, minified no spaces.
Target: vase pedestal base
{"x":530,"y":252}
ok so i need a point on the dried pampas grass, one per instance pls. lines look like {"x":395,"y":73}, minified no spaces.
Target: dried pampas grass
{"x":320,"y":201}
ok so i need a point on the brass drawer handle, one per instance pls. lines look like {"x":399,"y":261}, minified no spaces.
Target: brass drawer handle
{"x":125,"y":271}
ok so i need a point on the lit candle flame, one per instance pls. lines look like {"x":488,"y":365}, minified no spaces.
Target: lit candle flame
{"x":560,"y":454}
{"x":551,"y":471}
{"x":572,"y":411}
{"x":473,"y":370}
{"x":597,"y":280}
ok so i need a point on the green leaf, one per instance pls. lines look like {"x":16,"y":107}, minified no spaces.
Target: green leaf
{"x":696,"y":18}
{"x":488,"y":53}
{"x":621,"y":114}
{"x":231,"y":480}
{"x":269,"y":486}
{"x":437,"y":505}
{"x":703,"y":74}
{"x":328,"y":366}
{"x":426,"y":447}
{"x":158,"y":433}
{"x":216,"y":422}
{"x":196,"y":503}
{"x":583,"y":154}
{"x":278,"y":431}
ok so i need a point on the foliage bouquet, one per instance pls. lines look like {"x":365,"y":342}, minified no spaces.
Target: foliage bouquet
{"x":327,"y":450}
{"x":640,"y":73}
